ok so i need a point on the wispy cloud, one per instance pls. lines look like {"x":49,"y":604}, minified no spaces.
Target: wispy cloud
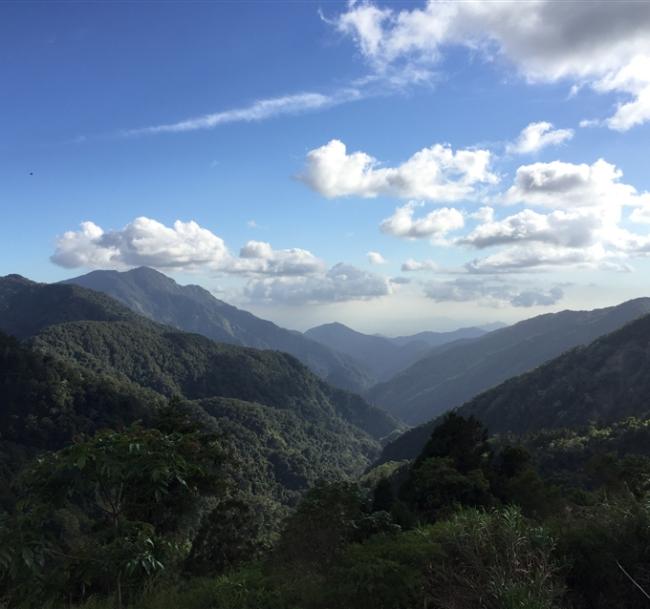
{"x":259,"y":110}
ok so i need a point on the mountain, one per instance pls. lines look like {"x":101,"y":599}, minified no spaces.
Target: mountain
{"x":436,"y":339}
{"x":384,"y":357}
{"x":194,"y":309}
{"x":379,"y":355}
{"x":454,"y":373}
{"x":602,"y":383}
{"x":86,"y":361}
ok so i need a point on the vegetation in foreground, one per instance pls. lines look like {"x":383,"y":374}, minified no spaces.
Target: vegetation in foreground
{"x":149,"y":518}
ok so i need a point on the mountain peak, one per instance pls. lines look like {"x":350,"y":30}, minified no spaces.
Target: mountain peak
{"x":194,"y":309}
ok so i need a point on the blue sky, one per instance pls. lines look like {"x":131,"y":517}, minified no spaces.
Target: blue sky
{"x":278,"y":135}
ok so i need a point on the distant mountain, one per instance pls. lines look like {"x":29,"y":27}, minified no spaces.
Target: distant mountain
{"x":436,"y":339}
{"x":601,"y":383}
{"x":495,"y":325}
{"x":194,"y":309}
{"x":456,"y":372}
{"x":85,"y":362}
{"x":382,"y":356}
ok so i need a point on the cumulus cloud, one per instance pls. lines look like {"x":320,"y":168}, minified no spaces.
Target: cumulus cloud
{"x":411,"y":265}
{"x":634,"y":79}
{"x":539,"y":257}
{"x":566,"y":185}
{"x":143,"y":242}
{"x":376,"y":258}
{"x":341,"y":283}
{"x":641,"y":215}
{"x":574,"y":228}
{"x":183,"y":246}
{"x":260,"y":258}
{"x":490,"y":292}
{"x":603,"y":44}
{"x":536,"y":136}
{"x":436,"y":224}
{"x":482,"y":214}
{"x":436,"y":173}
{"x":581,"y":230}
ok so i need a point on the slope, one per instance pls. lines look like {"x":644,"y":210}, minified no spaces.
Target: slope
{"x":455,"y":373}
{"x":602,"y":383}
{"x":284,"y":427}
{"x":194,"y":309}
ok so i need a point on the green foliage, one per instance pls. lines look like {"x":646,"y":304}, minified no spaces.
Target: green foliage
{"x":104,"y":514}
{"x":435,"y":487}
{"x":597,"y":542}
{"x":324,"y":522}
{"x":494,"y":560}
{"x":386,"y":572}
{"x":46,"y":401}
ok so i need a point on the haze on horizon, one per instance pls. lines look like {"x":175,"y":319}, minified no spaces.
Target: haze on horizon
{"x":395,"y":167}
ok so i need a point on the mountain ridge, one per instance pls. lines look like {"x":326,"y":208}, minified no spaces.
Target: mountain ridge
{"x":600,"y":383}
{"x":194,"y":309}
{"x":450,"y":376}
{"x":384,"y":356}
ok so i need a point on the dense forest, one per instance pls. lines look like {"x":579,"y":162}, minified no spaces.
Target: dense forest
{"x":145,"y":467}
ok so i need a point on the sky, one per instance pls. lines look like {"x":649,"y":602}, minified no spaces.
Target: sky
{"x":393,"y":166}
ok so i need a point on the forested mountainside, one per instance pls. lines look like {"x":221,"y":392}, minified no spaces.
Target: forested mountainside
{"x":149,"y":468}
{"x":104,"y":366}
{"x":194,"y":309}
{"x":605,"y":381}
{"x":455,"y":373}
{"x":384,"y":357}
{"x":103,"y":335}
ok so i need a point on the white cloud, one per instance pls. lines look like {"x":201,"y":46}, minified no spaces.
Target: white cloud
{"x":482,"y":214}
{"x":536,"y":136}
{"x":519,"y":259}
{"x":634,"y":79}
{"x":143,"y":242}
{"x":582,"y":230}
{"x":436,"y":224}
{"x":258,"y":257}
{"x":376,"y":258}
{"x":184,"y":246}
{"x":341,"y":283}
{"x":490,"y":292}
{"x":641,"y":215}
{"x":566,"y":185}
{"x":574,"y":228}
{"x":257,"y":111}
{"x":602,"y":44}
{"x":419,"y":265}
{"x":435,"y":173}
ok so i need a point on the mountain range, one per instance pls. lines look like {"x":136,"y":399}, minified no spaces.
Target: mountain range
{"x":454,"y":373}
{"x":603,"y":382}
{"x":194,"y":309}
{"x":384,"y":357}
{"x":343,"y":357}
{"x":86,"y":361}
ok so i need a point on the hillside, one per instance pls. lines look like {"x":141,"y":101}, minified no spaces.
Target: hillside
{"x":601,"y":383}
{"x":384,"y":357}
{"x":436,"y":339}
{"x":194,"y":309}
{"x":455,"y":373}
{"x":111,"y":367}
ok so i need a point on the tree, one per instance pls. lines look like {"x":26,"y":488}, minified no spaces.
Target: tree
{"x":103,"y":513}
{"x":463,"y":440}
